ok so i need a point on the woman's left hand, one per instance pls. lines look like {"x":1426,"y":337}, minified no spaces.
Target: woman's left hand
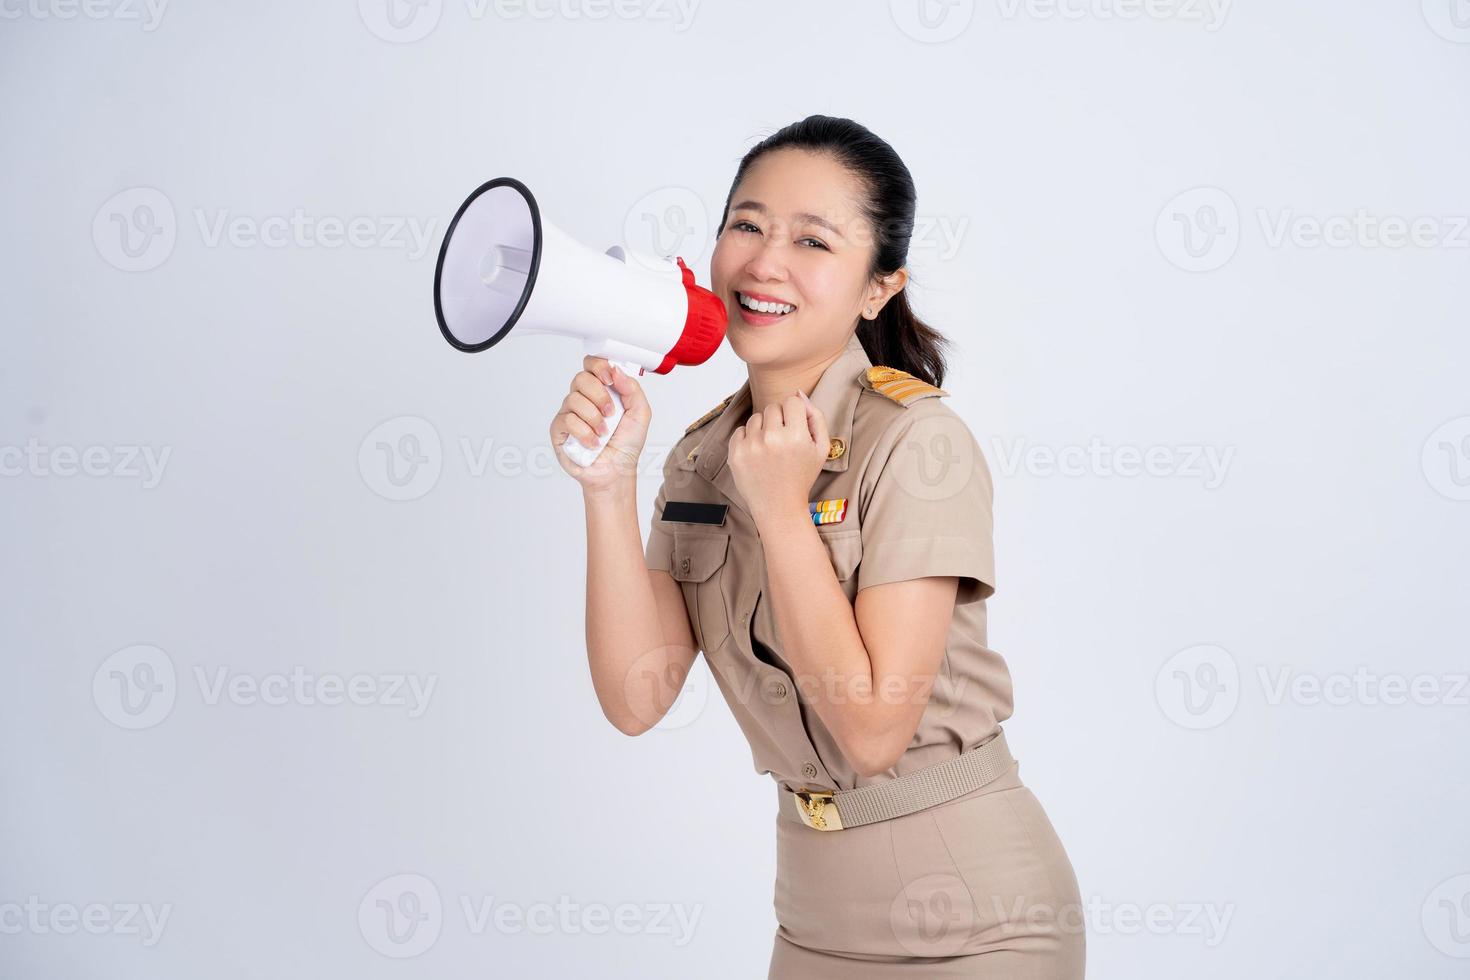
{"x":777,"y":455}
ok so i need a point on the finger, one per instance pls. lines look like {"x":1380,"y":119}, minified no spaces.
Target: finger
{"x":583,"y":377}
{"x":559,"y":435}
{"x":580,"y":430}
{"x":817,"y":423}
{"x":793,"y":411}
{"x":581,"y":406}
{"x":597,"y":366}
{"x":594,"y":391}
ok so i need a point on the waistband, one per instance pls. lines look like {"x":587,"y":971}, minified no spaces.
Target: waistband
{"x":846,"y":808}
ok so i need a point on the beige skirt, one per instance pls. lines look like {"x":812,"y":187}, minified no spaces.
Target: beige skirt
{"x":977,"y":887}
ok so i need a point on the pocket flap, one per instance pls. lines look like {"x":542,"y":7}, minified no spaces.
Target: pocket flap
{"x":696,"y":556}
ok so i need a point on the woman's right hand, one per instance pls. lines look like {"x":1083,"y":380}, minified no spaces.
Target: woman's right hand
{"x":583,"y":413}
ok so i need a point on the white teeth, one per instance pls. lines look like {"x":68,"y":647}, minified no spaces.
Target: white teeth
{"x":761,"y":306}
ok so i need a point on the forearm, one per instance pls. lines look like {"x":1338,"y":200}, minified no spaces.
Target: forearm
{"x":819,"y":635}
{"x":622,"y":617}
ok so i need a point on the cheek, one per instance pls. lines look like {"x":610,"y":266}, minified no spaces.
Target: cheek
{"x":825,"y":287}
{"x":723,"y":263}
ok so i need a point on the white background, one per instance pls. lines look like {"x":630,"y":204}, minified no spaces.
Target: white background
{"x":1118,"y":206}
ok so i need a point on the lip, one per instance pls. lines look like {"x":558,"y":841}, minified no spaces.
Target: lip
{"x":764,"y":298}
{"x":761,"y":319}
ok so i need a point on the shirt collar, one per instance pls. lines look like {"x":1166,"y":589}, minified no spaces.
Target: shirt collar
{"x":835,"y":396}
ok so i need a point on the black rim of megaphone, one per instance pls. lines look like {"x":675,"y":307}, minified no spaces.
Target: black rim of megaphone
{"x":515,"y":315}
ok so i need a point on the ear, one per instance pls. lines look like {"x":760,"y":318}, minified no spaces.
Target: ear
{"x":885,"y":289}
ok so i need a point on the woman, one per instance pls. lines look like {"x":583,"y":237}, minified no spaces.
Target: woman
{"x":824,"y":536}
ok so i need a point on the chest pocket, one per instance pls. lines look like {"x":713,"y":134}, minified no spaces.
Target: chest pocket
{"x":699,"y":567}
{"x":845,"y":549}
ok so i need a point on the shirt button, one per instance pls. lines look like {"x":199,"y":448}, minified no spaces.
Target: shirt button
{"x":684,"y":565}
{"x":809,"y":771}
{"x":778,"y":691}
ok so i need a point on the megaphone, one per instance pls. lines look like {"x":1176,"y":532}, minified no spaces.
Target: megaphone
{"x":502,"y":267}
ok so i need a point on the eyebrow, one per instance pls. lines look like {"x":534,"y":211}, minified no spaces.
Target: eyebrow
{"x":804,"y":216}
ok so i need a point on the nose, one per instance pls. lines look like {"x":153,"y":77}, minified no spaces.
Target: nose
{"x":766,"y":263}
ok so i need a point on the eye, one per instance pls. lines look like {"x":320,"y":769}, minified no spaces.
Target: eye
{"x":740,"y":224}
{"x":820,"y":243}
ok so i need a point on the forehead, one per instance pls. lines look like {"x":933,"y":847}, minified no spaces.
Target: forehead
{"x":791,"y":182}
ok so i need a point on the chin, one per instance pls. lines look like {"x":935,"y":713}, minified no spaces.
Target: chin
{"x":754,"y":350}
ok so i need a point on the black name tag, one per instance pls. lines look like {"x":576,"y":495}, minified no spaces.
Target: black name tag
{"x":689,"y":512}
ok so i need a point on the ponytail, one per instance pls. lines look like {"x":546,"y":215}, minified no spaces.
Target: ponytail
{"x":898,"y":338}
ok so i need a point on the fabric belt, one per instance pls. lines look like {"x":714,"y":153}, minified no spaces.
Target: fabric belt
{"x":846,"y":808}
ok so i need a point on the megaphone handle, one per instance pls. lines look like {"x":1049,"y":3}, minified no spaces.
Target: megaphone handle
{"x":573,"y":447}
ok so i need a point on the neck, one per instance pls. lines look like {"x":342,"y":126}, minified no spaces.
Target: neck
{"x":771,"y":385}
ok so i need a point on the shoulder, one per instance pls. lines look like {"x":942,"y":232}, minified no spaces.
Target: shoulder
{"x":913,"y":428}
{"x":897,"y":386}
{"x":895,"y":402}
{"x":709,"y":416}
{"x":693,"y":436}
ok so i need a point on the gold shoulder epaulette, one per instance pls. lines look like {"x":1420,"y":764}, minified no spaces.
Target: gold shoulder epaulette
{"x":707,"y":415}
{"x":900,"y":386}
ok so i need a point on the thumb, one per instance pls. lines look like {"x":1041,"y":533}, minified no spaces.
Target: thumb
{"x":631,"y":392}
{"x":632,"y":428}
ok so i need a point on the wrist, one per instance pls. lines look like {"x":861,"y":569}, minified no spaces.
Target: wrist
{"x":783,"y":520}
{"x":621,"y":491}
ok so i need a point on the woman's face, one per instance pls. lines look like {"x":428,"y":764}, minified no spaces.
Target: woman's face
{"x":795,"y":235}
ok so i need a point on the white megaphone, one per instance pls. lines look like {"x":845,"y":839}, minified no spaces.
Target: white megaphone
{"x":503,"y":266}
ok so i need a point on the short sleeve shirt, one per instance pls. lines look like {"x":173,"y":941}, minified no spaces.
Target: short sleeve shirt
{"x":915,"y":499}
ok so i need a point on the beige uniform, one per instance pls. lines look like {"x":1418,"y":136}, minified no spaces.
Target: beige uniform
{"x":904,"y":493}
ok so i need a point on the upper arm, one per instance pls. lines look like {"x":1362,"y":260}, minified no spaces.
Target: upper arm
{"x":904,"y":626}
{"x":673,"y":616}
{"x":657,"y":676}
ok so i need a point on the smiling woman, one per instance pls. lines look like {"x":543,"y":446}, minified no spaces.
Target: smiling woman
{"x":823,"y":534}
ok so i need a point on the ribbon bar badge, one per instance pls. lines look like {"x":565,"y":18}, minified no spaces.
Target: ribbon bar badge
{"x":828,"y":511}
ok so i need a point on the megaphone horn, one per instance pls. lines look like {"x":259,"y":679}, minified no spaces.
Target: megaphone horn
{"x":503,"y":267}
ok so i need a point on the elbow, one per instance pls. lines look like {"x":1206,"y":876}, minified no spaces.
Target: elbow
{"x":874,"y":757}
{"x":871,"y":768}
{"x":630,"y":725}
{"x":877,"y":740}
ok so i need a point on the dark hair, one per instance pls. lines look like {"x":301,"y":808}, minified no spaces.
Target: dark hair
{"x":896,"y":337}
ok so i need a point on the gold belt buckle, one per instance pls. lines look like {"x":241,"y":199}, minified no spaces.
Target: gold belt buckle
{"x":818,"y":809}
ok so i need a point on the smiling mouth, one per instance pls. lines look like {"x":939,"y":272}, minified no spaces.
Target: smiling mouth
{"x":763,"y":309}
